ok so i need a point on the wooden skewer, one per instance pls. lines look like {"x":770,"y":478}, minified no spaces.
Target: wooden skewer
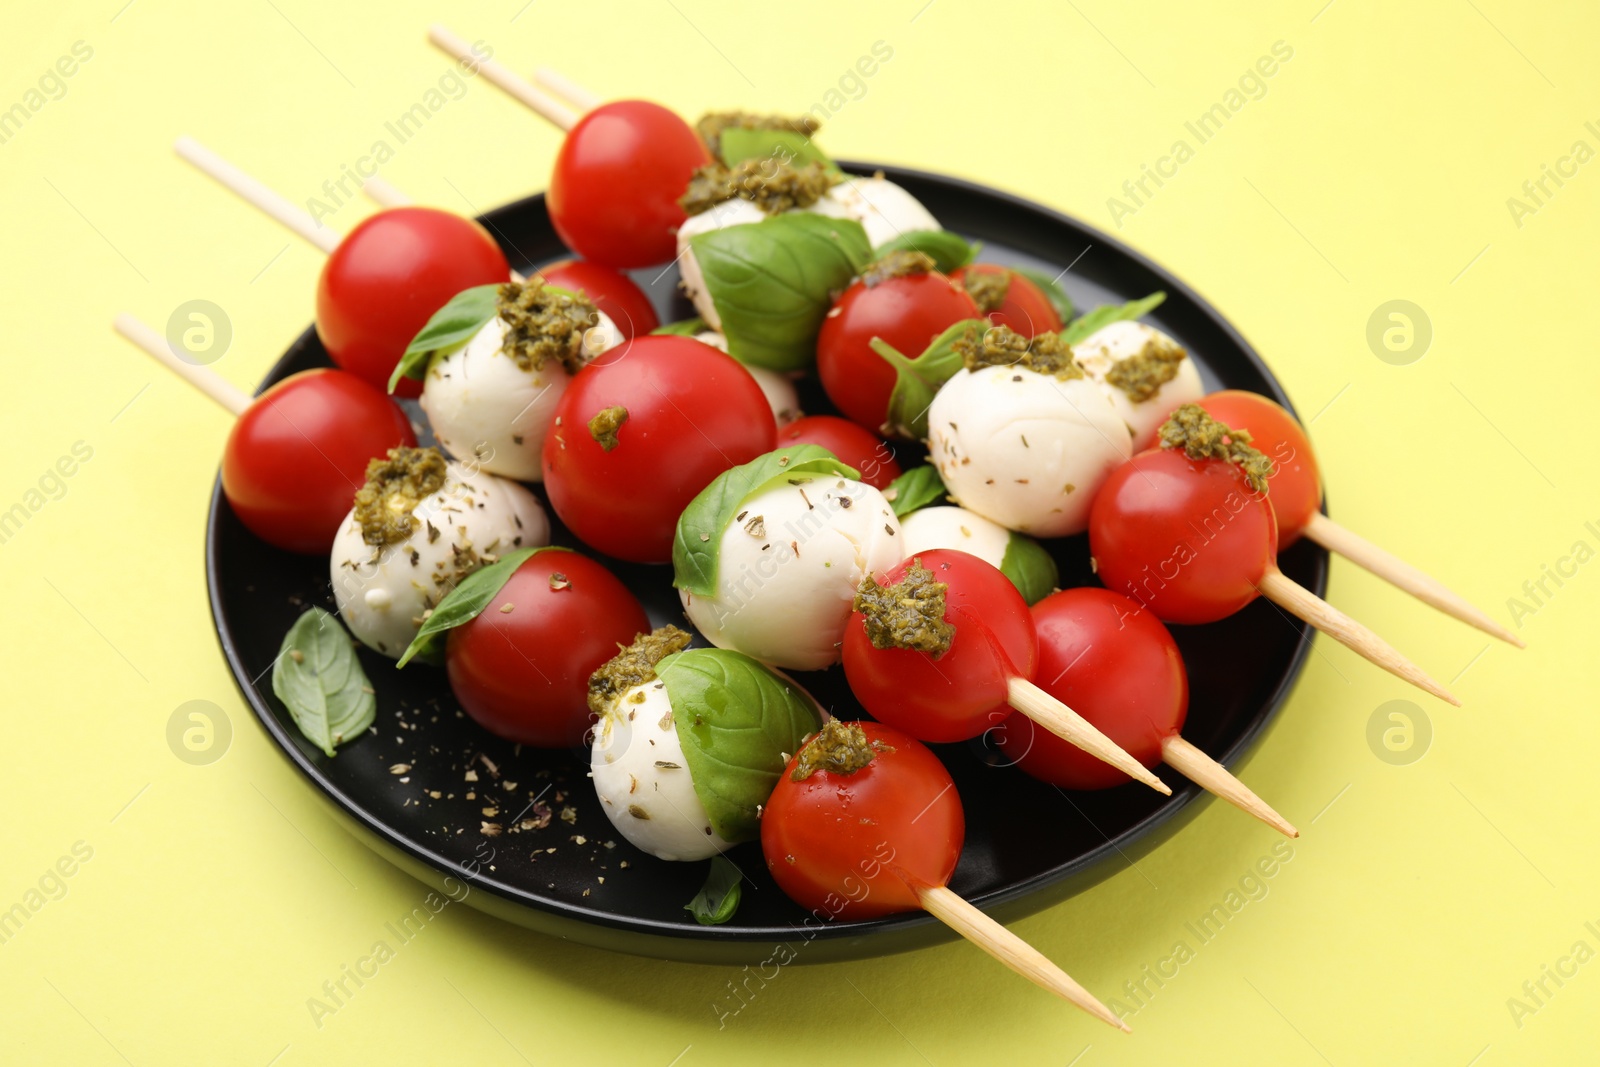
{"x":1011,"y":950}
{"x":1301,"y":602}
{"x":383,"y":194}
{"x":253,"y":191}
{"x":208,"y":381}
{"x":558,"y":83}
{"x":1396,"y":571}
{"x":1214,"y":778}
{"x":1067,"y":724}
{"x":537,"y":100}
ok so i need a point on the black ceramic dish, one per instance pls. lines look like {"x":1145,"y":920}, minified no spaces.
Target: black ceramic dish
{"x":1028,"y":845}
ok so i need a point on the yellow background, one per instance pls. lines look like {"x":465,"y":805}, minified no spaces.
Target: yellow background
{"x":1376,"y":167}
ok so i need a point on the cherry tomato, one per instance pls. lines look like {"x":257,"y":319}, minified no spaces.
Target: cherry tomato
{"x":1295,"y":488}
{"x":614,"y":194}
{"x":1112,"y":662}
{"x":867,"y":453}
{"x":1026,"y":309}
{"x":387,"y":278}
{"x":296,"y":457}
{"x":522,"y":667}
{"x":962,"y":692}
{"x":692,"y":412}
{"x":1187,"y":538}
{"x":907,"y":312}
{"x":611,"y":291}
{"x":856,"y":846}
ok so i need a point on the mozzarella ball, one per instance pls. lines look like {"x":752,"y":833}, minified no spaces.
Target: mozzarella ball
{"x":484,"y":407}
{"x":950,"y":527}
{"x":884,"y":210}
{"x":1105,"y":348}
{"x":734,"y":212}
{"x":1025,"y":449}
{"x":777,"y":388}
{"x":382,"y":593}
{"x":642,"y":778}
{"x":788,"y":569}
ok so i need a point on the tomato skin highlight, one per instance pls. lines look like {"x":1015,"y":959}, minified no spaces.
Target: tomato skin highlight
{"x":614,"y":192}
{"x":1295,"y":488}
{"x":1025,"y":309}
{"x":1112,"y":662}
{"x":693,"y":412}
{"x":1187,"y":538}
{"x":611,"y":291}
{"x":853,"y":846}
{"x":524,"y":674}
{"x":387,"y":278}
{"x":866,"y":452}
{"x":964,"y":691}
{"x":295,"y":459}
{"x":908,"y":313}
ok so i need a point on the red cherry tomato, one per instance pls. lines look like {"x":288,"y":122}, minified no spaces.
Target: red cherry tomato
{"x":387,"y":278}
{"x":855,"y":846}
{"x":907,"y":312}
{"x":296,"y":457}
{"x":1026,"y":309}
{"x":867,"y":453}
{"x":523,"y":673}
{"x":611,"y":291}
{"x":1112,"y":662}
{"x":614,"y":194}
{"x":1186,"y":538}
{"x":962,"y":692}
{"x":692,"y":412}
{"x":1295,"y":488}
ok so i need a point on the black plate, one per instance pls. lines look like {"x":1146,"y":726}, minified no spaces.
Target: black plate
{"x":1011,"y":865}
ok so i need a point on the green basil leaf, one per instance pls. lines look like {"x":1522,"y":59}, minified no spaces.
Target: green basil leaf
{"x":917,"y":380}
{"x":1031,"y":569}
{"x":684,"y":328}
{"x":738,"y":722}
{"x":949,"y":250}
{"x":785,"y":146}
{"x":773,"y":281}
{"x":320,"y":681}
{"x":1086,"y":324}
{"x":1051,"y":287}
{"x":916,"y":488}
{"x":450,"y":327}
{"x":718,"y":899}
{"x":698,"y":540}
{"x":466,"y":601}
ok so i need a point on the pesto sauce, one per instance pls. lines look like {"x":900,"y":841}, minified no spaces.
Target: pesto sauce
{"x":771,"y":185}
{"x":839,"y":748}
{"x":394,"y":487}
{"x":1142,"y":374}
{"x":544,"y":325}
{"x":604,"y":426}
{"x":988,"y":288}
{"x":634,"y":665}
{"x":1001,"y":346}
{"x":1203,"y":437}
{"x":907,"y":614}
{"x":899,"y":263}
{"x":712,"y":123}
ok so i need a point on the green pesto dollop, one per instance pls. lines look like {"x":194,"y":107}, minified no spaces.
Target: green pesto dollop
{"x":634,"y":665}
{"x":899,"y":263}
{"x":907,"y":614}
{"x":771,"y":185}
{"x":1200,"y":436}
{"x":604,"y":426}
{"x":1001,"y":346}
{"x":712,"y":123}
{"x":394,"y":487}
{"x":543,"y":324}
{"x":838,"y":748}
{"x":1142,"y":374}
{"x":988,"y":288}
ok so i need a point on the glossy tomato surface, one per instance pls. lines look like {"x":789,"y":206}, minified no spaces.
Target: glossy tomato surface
{"x":611,"y":291}
{"x":866,"y":452}
{"x":1295,"y":488}
{"x":387,"y":278}
{"x":1026,"y":309}
{"x":294,"y":460}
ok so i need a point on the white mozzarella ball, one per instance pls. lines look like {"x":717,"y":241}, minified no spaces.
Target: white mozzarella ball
{"x":642,"y":778}
{"x":884,"y":209}
{"x":485,"y":408}
{"x":788,"y":569}
{"x":1112,"y":344}
{"x":736,"y":212}
{"x":1025,"y":449}
{"x":950,"y":527}
{"x":382,"y":593}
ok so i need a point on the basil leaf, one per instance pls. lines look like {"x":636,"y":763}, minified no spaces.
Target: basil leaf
{"x":450,"y":327}
{"x":1051,"y":288}
{"x":718,"y":899}
{"x":784,"y":146}
{"x":948,"y":250}
{"x":916,"y":488}
{"x":1031,"y":569}
{"x":466,"y":601}
{"x":917,"y":380}
{"x":698,"y":540}
{"x":773,"y":281}
{"x":738,"y":722}
{"x":1085,"y":325}
{"x":320,"y":681}
{"x":685,"y":328}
